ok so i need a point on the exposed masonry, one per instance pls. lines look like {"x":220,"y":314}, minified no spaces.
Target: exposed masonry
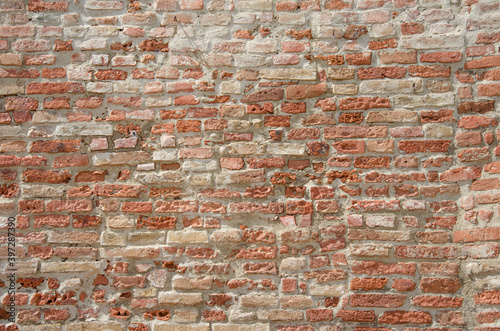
{"x":251,"y":165}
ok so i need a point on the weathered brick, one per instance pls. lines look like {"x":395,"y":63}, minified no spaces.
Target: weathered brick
{"x":364,"y":103}
{"x":377,"y":300}
{"x":405,"y":317}
{"x":460,"y":174}
{"x":54,"y":88}
{"x":382,"y":72}
{"x":305,"y":91}
{"x":264,"y":95}
{"x":422,"y":146}
{"x":251,"y":137}
{"x":355,"y":132}
{"x":425,"y":252}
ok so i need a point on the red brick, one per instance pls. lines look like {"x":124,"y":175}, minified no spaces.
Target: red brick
{"x":305,"y":91}
{"x":25,"y":316}
{"x":233,"y":163}
{"x":424,"y":146}
{"x":196,"y":153}
{"x":332,"y":60}
{"x":54,"y":88}
{"x":488,"y":90}
{"x":177,"y":206}
{"x":403,"y":285}
{"x":425,"y":252}
{"x":19,"y":73}
{"x":368,"y":284}
{"x":37,"y":60}
{"x":275,"y":94}
{"x":153,"y":45}
{"x":488,"y":317}
{"x":128,"y":281}
{"x":9,"y":190}
{"x":437,"y":301}
{"x":188,"y":126}
{"x":273,"y":162}
{"x":230,"y":136}
{"x":31,"y":206}
{"x":9,"y":160}
{"x":474,"y":154}
{"x":51,"y":220}
{"x":442,"y":115}
{"x":61,"y":45}
{"x":460,"y":174}
{"x":487,"y":298}
{"x":327,"y":104}
{"x":405,"y":317}
{"x":350,"y":146}
{"x":257,"y":236}
{"x":351,"y":118}
{"x":382,"y":72}
{"x":126,"y":101}
{"x":474,"y":235}
{"x":370,"y":162}
{"x":75,"y":206}
{"x":299,"y":34}
{"x":260,"y":253}
{"x":46,"y":176}
{"x":319,"y":315}
{"x":70,"y":161}
{"x":277,"y":121}
{"x":356,"y":315}
{"x":468,"y":139}
{"x":156,"y":222}
{"x":377,"y":300}
{"x":41,"y":6}
{"x":293,"y":107}
{"x":327,"y":275}
{"x":110,"y":74}
{"x":265,"y":268}
{"x":429,"y":71}
{"x":212,"y":207}
{"x":7,"y":31}
{"x":412,"y":28}
{"x":484,"y":62}
{"x":43,"y":252}
{"x":53,"y":73}
{"x":353,"y":32}
{"x":493,"y":167}
{"x":359,"y":58}
{"x":327,"y":206}
{"x":493,"y":74}
{"x":364,"y":103}
{"x":299,"y":207}
{"x":265,"y":108}
{"x":5,"y":118}
{"x":385,"y":43}
{"x":91,"y":176}
{"x":488,"y":38}
{"x":56,"y":103}
{"x":440,"y":285}
{"x":443,"y":57}
{"x":202,"y":112}
{"x":473,"y":122}
{"x":213,"y":315}
{"x":303,"y":134}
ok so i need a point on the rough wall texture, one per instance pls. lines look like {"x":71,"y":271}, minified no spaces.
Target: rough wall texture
{"x":250,"y":165}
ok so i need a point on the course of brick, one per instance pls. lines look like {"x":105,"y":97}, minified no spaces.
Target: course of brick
{"x":251,"y":165}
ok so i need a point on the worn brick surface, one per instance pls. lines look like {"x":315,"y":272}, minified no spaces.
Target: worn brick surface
{"x":237,"y":165}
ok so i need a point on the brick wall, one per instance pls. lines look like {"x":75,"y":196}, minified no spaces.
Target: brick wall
{"x":248,"y":165}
